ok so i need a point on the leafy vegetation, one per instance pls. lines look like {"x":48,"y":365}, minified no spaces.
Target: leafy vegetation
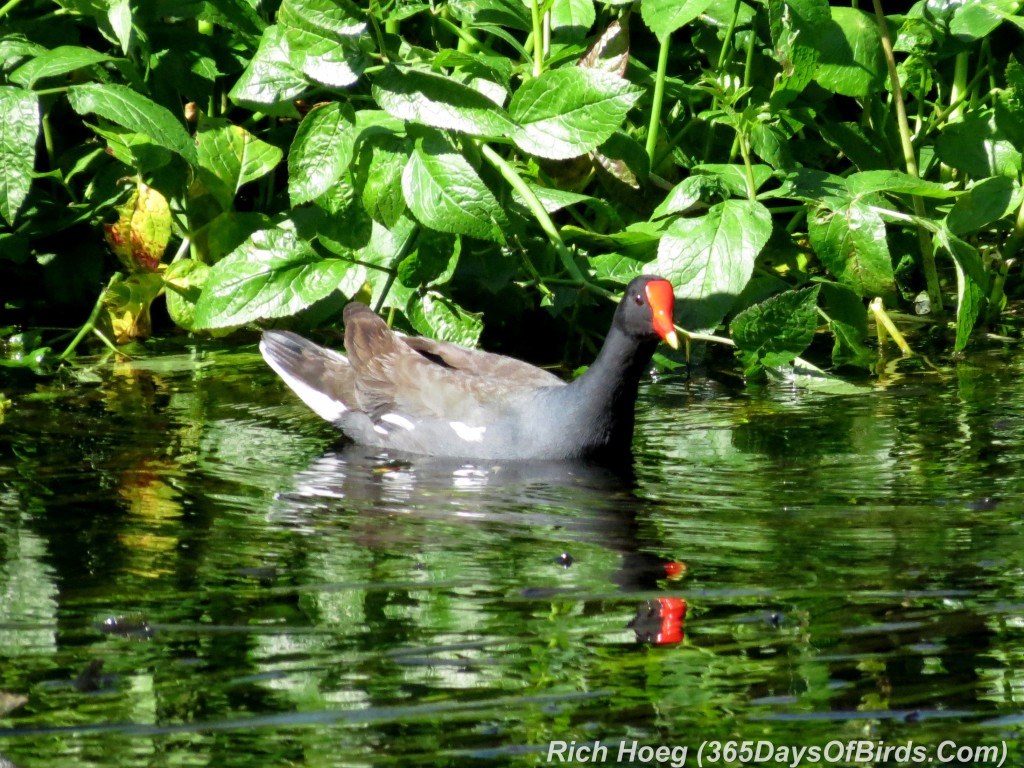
{"x":784,"y":164}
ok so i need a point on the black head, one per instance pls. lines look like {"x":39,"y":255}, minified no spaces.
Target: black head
{"x":646,"y":309}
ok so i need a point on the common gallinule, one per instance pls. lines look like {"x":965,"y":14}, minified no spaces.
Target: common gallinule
{"x":433,"y":397}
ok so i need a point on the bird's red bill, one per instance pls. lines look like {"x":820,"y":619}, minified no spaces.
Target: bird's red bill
{"x":661,"y":300}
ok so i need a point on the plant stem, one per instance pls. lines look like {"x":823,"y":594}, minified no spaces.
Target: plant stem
{"x":658,"y":99}
{"x":90,"y":324}
{"x":931,"y":275}
{"x":538,"y":38}
{"x":8,"y":7}
{"x":536,"y":208}
{"x":884,"y":321}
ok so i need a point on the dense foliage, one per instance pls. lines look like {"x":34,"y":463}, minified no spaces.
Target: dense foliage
{"x":460,"y":164}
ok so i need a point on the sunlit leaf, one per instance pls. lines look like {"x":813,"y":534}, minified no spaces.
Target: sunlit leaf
{"x":19,"y":129}
{"x":136,"y":112}
{"x":569,"y":111}
{"x":710,"y":259}
{"x":272,"y":274}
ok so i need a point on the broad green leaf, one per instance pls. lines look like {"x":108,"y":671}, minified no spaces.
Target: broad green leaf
{"x":131,"y":110}
{"x":850,"y":241}
{"x":808,"y":376}
{"x":977,"y":147}
{"x":976,"y":19}
{"x":502,"y":13}
{"x":270,"y":81}
{"x":733,"y":176}
{"x":340,"y":18}
{"x":327,"y":39}
{"x":119,"y":16}
{"x":868,"y":182}
{"x":851,"y":61}
{"x":971,"y":285}
{"x":438,"y":101}
{"x":437,"y":316}
{"x":663,"y":17}
{"x":382,"y":191}
{"x":778,"y":329}
{"x":795,"y":24}
{"x":321,"y":151}
{"x":573,"y":17}
{"x":985,"y":202}
{"x":814,"y":186}
{"x":229,"y":156}
{"x":60,"y":61}
{"x":19,"y":129}
{"x":848,"y":321}
{"x":444,"y":193}
{"x":710,"y":258}
{"x":433,"y":262}
{"x":687,"y":193}
{"x":184,"y":281}
{"x":569,"y":111}
{"x":272,"y":274}
{"x":225,"y":233}
{"x":237,"y":15}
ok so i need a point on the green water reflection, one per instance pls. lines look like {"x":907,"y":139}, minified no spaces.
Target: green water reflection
{"x":190,"y":574}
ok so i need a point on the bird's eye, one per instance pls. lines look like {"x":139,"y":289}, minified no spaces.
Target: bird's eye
{"x":638,"y":299}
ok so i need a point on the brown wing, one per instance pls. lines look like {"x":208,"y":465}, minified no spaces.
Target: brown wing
{"x":422,"y":378}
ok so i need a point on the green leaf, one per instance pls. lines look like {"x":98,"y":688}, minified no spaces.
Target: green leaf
{"x":568,"y":112}
{"x":19,"y":129}
{"x":131,"y":110}
{"x":237,"y":15}
{"x":382,"y":191}
{"x":850,"y":241}
{"x":985,"y":202}
{"x":733,"y":176}
{"x":851,"y":61}
{"x":710,"y":259}
{"x":848,"y":321}
{"x":60,"y":61}
{"x":444,"y":192}
{"x":794,"y":25}
{"x":664,"y":17}
{"x":573,"y":18}
{"x":270,"y":82}
{"x":977,"y":147}
{"x":971,"y":285}
{"x":868,"y":182}
{"x":432,"y":263}
{"x":184,"y":281}
{"x":976,"y":19}
{"x":272,"y":274}
{"x":439,"y":102}
{"x":502,"y":13}
{"x":119,"y":16}
{"x":321,"y":151}
{"x":778,"y":329}
{"x":229,"y":156}
{"x":437,"y":316}
{"x":327,"y":40}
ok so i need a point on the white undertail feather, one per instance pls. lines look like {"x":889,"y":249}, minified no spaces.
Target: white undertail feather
{"x":398,"y":420}
{"x":323,"y":405}
{"x":468,"y":433}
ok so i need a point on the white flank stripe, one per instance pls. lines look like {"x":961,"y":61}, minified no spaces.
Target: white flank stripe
{"x":379,"y":429}
{"x":323,"y":405}
{"x":398,"y":420}
{"x":468,"y":433}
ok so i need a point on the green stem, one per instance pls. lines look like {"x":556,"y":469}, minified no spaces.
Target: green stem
{"x":931,"y":275}
{"x":727,"y":42}
{"x":1013,"y":242}
{"x":536,"y":208}
{"x":659,"y":97}
{"x":8,"y":7}
{"x":538,"y":38}
{"x":90,"y":324}
{"x":884,"y":321}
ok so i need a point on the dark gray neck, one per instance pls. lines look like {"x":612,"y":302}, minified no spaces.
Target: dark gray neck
{"x":604,"y":398}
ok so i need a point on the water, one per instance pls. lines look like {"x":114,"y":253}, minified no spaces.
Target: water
{"x":192,"y":574}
